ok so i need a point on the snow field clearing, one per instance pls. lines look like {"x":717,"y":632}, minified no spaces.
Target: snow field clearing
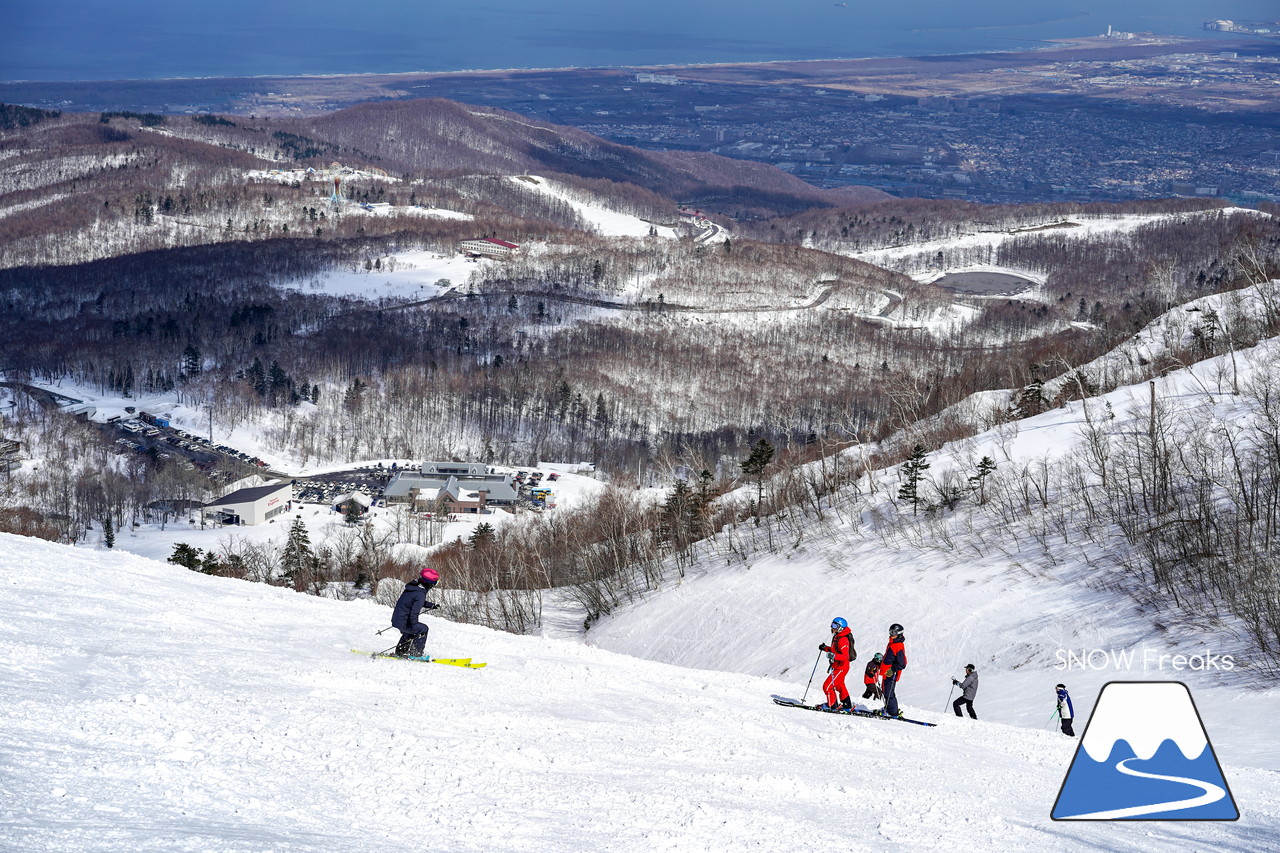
{"x":403,"y":276}
{"x":1078,"y":227}
{"x":152,"y":708}
{"x":608,"y":223}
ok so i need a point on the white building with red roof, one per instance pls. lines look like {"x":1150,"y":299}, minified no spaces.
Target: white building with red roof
{"x":488,"y":247}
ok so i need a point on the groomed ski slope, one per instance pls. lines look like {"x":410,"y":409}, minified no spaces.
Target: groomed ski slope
{"x":149,"y":708}
{"x":1027,"y":623}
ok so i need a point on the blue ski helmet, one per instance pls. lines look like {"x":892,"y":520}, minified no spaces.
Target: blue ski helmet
{"x":838,"y":624}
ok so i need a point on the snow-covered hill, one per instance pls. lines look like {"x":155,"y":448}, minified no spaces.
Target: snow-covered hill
{"x":1030,"y":609}
{"x":151,"y":708}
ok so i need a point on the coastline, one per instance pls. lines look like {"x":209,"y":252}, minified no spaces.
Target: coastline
{"x":1040,"y":45}
{"x":1040,"y":69}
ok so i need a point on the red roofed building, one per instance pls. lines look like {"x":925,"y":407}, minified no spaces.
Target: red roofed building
{"x":488,"y":247}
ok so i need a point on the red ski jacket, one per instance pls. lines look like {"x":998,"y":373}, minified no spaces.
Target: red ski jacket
{"x":872,"y":672}
{"x":841,"y":648}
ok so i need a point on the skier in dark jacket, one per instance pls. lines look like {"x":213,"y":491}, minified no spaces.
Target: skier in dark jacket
{"x":891,"y":667}
{"x":413,"y":634}
{"x":841,"y":654}
{"x":871,"y":678}
{"x":1066,"y":713}
{"x":968,"y":690}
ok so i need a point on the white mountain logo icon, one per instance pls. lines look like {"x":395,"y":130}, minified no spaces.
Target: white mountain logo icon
{"x":1145,"y":755}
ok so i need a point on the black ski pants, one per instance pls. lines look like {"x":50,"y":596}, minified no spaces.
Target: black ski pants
{"x":412,"y":644}
{"x":1066,"y":727}
{"x":961,"y":702}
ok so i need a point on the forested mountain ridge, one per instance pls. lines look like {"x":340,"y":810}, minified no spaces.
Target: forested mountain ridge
{"x":82,"y":187}
{"x":439,"y":137}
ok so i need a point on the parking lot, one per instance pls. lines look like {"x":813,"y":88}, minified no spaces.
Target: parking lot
{"x":187,"y":450}
{"x":324,"y":488}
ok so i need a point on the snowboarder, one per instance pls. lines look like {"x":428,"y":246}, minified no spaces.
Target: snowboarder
{"x":413,"y":634}
{"x":891,"y":666}
{"x":968,"y":688}
{"x":871,"y":678}
{"x":1066,"y":713}
{"x":840,"y":654}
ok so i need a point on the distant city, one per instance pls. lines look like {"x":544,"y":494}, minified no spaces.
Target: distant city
{"x":986,"y":150}
{"x":1114,"y":117}
{"x":1198,"y":123}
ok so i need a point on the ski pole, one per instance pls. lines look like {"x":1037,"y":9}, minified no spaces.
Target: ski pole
{"x":953,"y":690}
{"x":1051,"y":716}
{"x":811,"y":675}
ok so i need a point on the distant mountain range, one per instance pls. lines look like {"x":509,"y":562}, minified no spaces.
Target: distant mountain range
{"x":120,"y":174}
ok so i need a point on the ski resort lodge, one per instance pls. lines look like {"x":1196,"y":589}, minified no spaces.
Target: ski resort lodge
{"x":488,"y":248}
{"x":454,"y":486}
{"x":256,"y":505}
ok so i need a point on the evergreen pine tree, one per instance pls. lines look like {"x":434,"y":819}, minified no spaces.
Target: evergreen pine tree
{"x":601,"y":418}
{"x":256,"y":376}
{"x":211,"y":565}
{"x":1030,"y":400}
{"x":482,"y":536}
{"x":186,"y":556}
{"x":912,"y":472}
{"x":277,"y":377}
{"x":108,"y":531}
{"x":297,"y":555}
{"x":986,"y":465}
{"x":191,"y":361}
{"x":754,"y":465}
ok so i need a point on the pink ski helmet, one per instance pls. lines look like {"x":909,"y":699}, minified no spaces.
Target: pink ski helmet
{"x":430,"y":575}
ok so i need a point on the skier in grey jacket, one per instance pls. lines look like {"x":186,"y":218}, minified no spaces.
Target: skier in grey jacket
{"x":968,"y":688}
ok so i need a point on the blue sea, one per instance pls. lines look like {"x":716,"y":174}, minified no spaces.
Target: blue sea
{"x":146,"y":39}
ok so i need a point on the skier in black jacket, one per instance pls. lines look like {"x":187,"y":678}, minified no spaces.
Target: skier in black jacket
{"x":891,"y":667}
{"x":413,"y":634}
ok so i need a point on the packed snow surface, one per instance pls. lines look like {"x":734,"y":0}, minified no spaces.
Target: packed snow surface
{"x":148,"y":707}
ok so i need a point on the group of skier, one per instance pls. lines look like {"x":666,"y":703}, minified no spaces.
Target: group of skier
{"x":880,"y":677}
